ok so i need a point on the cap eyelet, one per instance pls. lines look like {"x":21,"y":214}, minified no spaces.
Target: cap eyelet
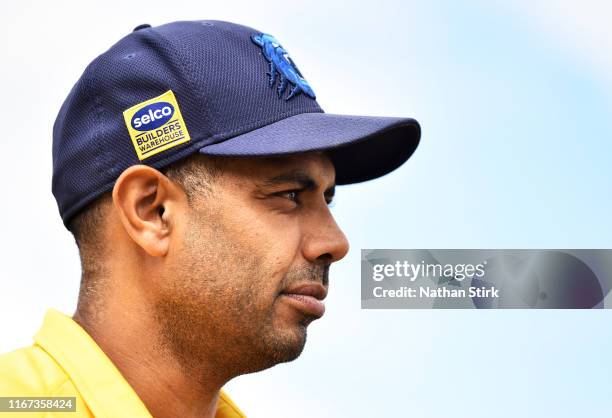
{"x":129,"y":56}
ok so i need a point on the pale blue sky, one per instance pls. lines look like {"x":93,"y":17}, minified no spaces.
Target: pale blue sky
{"x":515,"y":102}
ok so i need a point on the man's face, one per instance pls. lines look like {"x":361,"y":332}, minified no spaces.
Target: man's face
{"x":263,"y":233}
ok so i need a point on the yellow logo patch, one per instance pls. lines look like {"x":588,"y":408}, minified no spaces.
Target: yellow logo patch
{"x":156,"y":125}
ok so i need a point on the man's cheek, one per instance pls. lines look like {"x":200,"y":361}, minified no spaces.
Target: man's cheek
{"x":269,"y":229}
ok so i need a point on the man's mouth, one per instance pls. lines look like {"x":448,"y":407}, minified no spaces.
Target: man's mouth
{"x":307,"y":297}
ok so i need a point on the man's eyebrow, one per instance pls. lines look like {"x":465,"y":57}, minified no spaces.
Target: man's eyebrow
{"x":300,"y":177}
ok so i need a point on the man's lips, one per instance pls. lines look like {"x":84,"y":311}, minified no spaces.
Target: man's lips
{"x":307,"y":297}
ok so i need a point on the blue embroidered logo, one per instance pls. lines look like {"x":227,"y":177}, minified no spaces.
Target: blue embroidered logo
{"x":281,"y":63}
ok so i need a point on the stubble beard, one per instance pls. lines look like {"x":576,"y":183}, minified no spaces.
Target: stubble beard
{"x":211,"y":314}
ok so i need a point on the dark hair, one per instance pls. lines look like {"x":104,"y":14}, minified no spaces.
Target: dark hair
{"x":196,"y":174}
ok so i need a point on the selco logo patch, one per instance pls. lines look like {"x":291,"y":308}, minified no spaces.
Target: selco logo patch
{"x":152,"y":116}
{"x":156,"y":125}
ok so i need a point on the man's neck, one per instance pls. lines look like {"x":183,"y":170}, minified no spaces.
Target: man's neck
{"x":167,"y":388}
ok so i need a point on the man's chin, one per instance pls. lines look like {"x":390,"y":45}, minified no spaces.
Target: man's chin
{"x":283,"y":340}
{"x":284,"y":345}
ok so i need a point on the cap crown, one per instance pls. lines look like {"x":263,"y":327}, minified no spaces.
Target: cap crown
{"x":227,"y":79}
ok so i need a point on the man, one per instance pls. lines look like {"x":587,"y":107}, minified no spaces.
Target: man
{"x":194,"y":167}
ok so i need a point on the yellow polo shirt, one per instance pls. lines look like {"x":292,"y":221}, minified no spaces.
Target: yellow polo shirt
{"x":65,"y":361}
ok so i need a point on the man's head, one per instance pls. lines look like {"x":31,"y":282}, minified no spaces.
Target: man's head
{"x":210,"y":165}
{"x":215,"y":247}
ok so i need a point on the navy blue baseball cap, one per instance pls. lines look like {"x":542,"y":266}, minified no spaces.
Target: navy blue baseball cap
{"x":163,"y":93}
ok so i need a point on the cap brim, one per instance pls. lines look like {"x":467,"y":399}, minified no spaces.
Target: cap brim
{"x":361,"y":147}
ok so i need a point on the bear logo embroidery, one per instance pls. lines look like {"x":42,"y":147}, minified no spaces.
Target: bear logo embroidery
{"x":281,"y":64}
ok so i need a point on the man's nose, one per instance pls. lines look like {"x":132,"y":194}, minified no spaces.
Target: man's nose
{"x":324,"y":240}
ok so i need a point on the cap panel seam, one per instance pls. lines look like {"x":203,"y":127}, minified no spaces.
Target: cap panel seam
{"x":103,"y":158}
{"x":181,"y":62}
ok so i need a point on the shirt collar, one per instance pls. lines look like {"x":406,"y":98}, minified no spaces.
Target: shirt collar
{"x":103,"y":388}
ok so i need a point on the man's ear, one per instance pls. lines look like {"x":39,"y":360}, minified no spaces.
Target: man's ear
{"x":148,"y":204}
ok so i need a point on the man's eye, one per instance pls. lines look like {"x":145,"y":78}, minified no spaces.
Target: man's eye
{"x":294,"y":196}
{"x":290,"y":194}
